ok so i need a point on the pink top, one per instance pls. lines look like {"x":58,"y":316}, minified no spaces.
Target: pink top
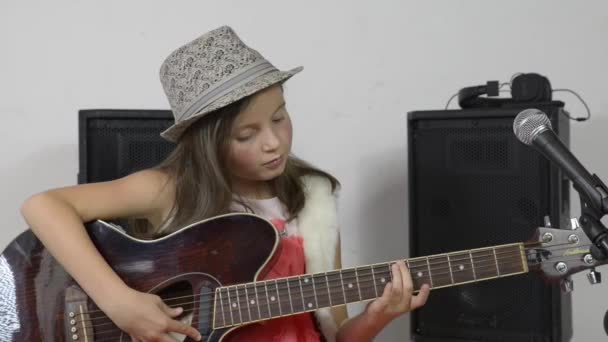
{"x":290,"y":262}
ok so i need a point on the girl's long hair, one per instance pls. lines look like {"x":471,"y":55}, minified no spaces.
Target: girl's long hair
{"x":198,"y":168}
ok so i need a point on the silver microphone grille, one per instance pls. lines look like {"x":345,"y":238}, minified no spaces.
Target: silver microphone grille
{"x":529,"y":123}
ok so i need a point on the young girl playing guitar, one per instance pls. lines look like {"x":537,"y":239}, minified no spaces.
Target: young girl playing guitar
{"x":233,"y":135}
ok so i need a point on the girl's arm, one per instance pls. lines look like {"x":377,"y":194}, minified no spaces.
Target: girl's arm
{"x":56,"y":217}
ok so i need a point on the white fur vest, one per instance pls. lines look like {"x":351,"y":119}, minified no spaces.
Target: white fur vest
{"x":318,"y":225}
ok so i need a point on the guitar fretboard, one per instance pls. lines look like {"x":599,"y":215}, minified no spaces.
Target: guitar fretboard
{"x":251,"y":302}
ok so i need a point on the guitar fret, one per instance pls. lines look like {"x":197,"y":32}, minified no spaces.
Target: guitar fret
{"x":262,"y":299}
{"x":358,"y":284}
{"x":441,"y":276}
{"x":278,"y":297}
{"x":342,"y":283}
{"x":335,"y":288}
{"x":485,"y":266}
{"x":230,"y":304}
{"x":289,"y":293}
{"x":314,"y":290}
{"x":268,"y":300}
{"x":248,"y":306}
{"x":328,"y":289}
{"x":322,"y":291}
{"x":461,"y":267}
{"x":219,"y":290}
{"x":352,"y":293}
{"x":238,"y":303}
{"x":450,"y":268}
{"x":367,"y":283}
{"x":430,"y":274}
{"x":383,"y":275}
{"x":296,"y":290}
{"x":510,"y":260}
{"x":374,"y":280}
{"x":273,"y":301}
{"x":309,"y":295}
{"x":284,"y":297}
{"x":302,"y":293}
{"x":253,"y":301}
{"x":472,"y":265}
{"x":496,"y":260}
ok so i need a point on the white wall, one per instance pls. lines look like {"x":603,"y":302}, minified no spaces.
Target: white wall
{"x":366,"y":65}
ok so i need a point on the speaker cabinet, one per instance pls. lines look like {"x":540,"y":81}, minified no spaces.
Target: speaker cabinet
{"x":472,"y":184}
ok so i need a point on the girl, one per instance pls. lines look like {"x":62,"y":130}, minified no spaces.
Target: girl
{"x":233,"y":137}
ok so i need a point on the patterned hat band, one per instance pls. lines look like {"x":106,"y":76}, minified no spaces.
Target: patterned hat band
{"x":244,"y":76}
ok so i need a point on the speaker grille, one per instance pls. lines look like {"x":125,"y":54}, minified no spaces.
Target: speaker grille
{"x":117,"y":143}
{"x":474,"y":185}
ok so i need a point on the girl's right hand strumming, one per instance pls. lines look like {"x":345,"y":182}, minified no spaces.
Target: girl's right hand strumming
{"x":56,"y":217}
{"x":146,"y":318}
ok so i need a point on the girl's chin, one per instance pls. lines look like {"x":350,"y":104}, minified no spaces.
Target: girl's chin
{"x":268,"y":176}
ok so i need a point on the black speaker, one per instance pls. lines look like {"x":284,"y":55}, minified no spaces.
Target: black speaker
{"x":114,"y":143}
{"x":473,"y":184}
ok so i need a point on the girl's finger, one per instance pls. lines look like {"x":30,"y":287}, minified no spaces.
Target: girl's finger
{"x":408,"y":284}
{"x":396,"y":290}
{"x":172,"y":312}
{"x":421,"y":297}
{"x":386,"y":294}
{"x":184,"y":329}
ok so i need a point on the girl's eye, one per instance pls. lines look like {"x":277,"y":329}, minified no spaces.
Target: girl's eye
{"x":244,"y":138}
{"x":279,"y":119}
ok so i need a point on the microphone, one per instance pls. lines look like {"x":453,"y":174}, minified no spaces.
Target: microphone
{"x":533,"y":127}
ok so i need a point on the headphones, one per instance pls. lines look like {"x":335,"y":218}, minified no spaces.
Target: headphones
{"x":529,"y":87}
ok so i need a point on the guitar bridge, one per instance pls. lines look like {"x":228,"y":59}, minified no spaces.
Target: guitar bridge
{"x":77,"y":322}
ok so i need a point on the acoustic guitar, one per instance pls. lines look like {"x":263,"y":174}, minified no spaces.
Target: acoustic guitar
{"x":211,"y":269}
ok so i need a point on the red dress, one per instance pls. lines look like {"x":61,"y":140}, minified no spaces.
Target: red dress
{"x":295,"y":328}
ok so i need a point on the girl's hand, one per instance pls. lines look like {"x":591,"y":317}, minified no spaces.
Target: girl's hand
{"x":146,"y":318}
{"x":397,"y":297}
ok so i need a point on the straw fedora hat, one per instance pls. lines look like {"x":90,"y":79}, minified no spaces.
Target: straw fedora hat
{"x":211,"y":72}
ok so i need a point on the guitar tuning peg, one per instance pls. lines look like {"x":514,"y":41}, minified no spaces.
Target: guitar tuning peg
{"x":547,"y":221}
{"x":594,"y":277}
{"x":566,"y":285}
{"x":574,"y":224}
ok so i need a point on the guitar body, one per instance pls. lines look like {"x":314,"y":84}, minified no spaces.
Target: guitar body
{"x":37,"y":296}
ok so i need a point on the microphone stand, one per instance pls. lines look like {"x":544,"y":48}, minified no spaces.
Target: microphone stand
{"x":593,"y":208}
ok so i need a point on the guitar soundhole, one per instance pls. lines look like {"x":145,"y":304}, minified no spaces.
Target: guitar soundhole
{"x":180,"y":294}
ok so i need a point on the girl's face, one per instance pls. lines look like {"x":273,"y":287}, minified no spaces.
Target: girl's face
{"x":260,"y":141}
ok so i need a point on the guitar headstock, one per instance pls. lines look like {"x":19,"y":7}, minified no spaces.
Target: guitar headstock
{"x":559,"y":253}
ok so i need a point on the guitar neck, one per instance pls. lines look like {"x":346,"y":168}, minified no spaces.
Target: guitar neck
{"x":256,"y":301}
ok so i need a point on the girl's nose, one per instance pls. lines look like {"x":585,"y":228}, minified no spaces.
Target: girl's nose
{"x":271,"y":141}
